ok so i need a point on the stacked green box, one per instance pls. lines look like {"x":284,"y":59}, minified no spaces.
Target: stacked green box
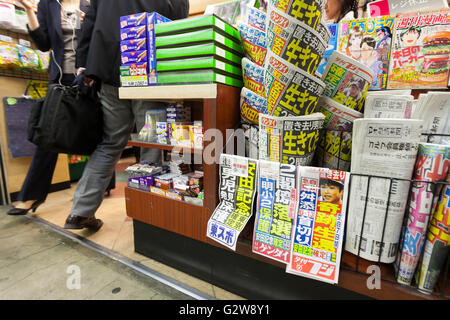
{"x":200,"y":49}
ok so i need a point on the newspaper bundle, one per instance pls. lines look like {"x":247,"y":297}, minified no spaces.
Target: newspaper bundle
{"x":237,"y":189}
{"x":436,"y":244}
{"x":432,"y":165}
{"x":290,"y":91}
{"x":277,"y":187}
{"x":253,"y":76}
{"x":347,"y":81}
{"x":294,"y":41}
{"x":251,"y":106}
{"x":335,"y":146}
{"x":319,"y":224}
{"x":290,"y":140}
{"x":388,"y":106}
{"x":306,"y":11}
{"x":384,"y":153}
{"x":434,"y":109}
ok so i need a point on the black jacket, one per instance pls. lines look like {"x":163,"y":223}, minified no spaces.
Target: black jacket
{"x":49,"y":34}
{"x":99,"y":46}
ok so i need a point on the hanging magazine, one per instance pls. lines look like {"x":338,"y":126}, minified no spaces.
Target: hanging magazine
{"x":237,"y":189}
{"x":319,"y":224}
{"x":369,"y":42}
{"x":420,"y":51}
{"x":277,"y":185}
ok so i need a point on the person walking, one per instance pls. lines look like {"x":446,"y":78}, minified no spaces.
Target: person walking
{"x":98,"y":57}
{"x":55,"y":27}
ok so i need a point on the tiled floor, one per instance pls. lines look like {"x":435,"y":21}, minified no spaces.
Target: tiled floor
{"x":117,"y":231}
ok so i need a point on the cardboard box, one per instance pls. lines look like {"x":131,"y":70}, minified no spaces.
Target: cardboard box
{"x":134,"y":28}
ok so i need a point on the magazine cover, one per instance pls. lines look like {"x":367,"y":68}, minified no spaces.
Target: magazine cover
{"x":369,"y":42}
{"x":420,"y":51}
{"x":237,"y":189}
{"x":277,"y":187}
{"x":318,"y":232}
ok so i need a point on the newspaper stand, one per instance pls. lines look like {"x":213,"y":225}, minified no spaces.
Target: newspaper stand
{"x":388,"y":272}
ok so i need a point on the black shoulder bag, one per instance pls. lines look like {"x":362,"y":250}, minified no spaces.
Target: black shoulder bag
{"x":68,"y":120}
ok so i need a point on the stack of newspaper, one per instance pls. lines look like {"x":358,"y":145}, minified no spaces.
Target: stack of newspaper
{"x":434,"y":109}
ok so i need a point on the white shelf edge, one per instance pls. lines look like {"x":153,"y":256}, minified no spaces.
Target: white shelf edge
{"x":171,"y":92}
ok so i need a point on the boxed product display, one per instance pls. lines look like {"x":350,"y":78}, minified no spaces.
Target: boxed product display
{"x":198,"y":23}
{"x":202,"y":76}
{"x":196,"y":37}
{"x":206,"y":49}
{"x":138,"y":52}
{"x":148,"y":132}
{"x":199,"y":63}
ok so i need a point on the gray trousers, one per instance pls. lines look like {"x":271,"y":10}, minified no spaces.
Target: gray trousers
{"x":118,"y":120}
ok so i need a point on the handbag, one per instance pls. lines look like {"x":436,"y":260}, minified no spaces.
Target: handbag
{"x":68,"y":120}
{"x":17,"y":112}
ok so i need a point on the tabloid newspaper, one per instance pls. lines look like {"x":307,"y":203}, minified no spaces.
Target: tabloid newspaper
{"x":318,"y":231}
{"x":290,"y":91}
{"x":385,"y":148}
{"x":347,"y":81}
{"x":335,"y":146}
{"x":290,"y":140}
{"x":432,"y":165}
{"x":420,"y":51}
{"x":294,"y":41}
{"x":276,"y":206}
{"x":369,"y":42}
{"x":237,"y":190}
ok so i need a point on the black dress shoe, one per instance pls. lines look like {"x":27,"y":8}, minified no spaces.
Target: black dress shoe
{"x":20,"y":212}
{"x":77,"y":222}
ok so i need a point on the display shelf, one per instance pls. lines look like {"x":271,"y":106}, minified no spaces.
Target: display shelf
{"x":217,"y":107}
{"x":162,"y":146}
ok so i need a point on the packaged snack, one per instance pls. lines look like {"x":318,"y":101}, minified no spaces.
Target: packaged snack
{"x":162,"y":133}
{"x":134,"y":57}
{"x":29,"y":59}
{"x":133,"y":45}
{"x":9,"y":57}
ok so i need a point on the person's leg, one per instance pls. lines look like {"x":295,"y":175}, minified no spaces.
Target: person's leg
{"x":140,"y":107}
{"x":118,"y":123}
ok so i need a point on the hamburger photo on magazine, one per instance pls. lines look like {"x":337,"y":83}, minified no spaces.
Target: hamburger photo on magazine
{"x":420,"y":51}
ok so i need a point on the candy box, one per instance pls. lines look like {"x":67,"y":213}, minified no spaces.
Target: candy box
{"x":134,"y":75}
{"x":133,"y":45}
{"x":134,"y":57}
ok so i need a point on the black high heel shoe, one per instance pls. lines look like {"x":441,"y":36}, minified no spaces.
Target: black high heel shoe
{"x":19,"y":212}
